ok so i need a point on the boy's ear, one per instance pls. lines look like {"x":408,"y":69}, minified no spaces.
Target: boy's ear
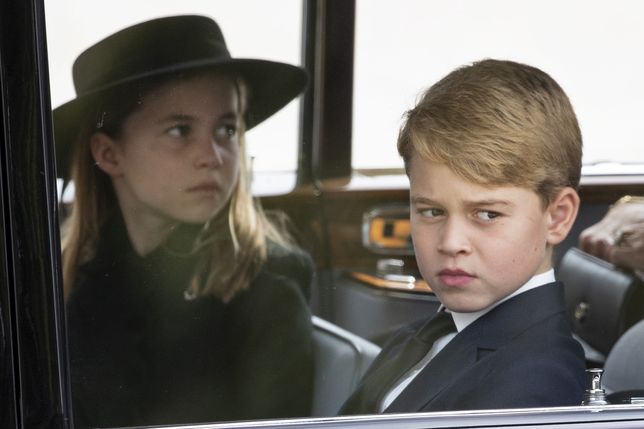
{"x":105,"y":153}
{"x":562,"y":212}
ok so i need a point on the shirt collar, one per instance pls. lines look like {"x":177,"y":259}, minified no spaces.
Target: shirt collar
{"x":462,"y":320}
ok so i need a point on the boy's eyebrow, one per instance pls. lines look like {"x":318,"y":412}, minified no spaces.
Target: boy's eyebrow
{"x":415,"y":199}
{"x":487,"y":202}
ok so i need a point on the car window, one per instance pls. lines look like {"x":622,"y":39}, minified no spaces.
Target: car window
{"x":589,"y":47}
{"x":381,"y":96}
{"x":73,"y":25}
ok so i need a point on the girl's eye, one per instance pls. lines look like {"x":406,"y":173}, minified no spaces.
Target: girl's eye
{"x":431,"y":212}
{"x":226,"y":132}
{"x":179,"y":131}
{"x":487,"y":215}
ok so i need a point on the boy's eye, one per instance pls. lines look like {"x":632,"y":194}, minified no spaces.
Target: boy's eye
{"x":431,"y":212}
{"x":179,"y":131}
{"x":487,"y":215}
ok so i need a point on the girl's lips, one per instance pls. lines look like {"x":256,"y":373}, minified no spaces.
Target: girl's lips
{"x":210,"y":187}
{"x":455,"y":277}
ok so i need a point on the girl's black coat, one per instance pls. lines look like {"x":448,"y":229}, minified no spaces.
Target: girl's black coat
{"x":141,"y":354}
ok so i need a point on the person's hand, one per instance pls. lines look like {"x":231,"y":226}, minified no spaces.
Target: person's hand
{"x":628,"y":251}
{"x":619,"y":237}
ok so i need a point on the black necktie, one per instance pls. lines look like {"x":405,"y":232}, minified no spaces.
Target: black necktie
{"x":367,"y":398}
{"x":417,"y":348}
{"x":437,"y":327}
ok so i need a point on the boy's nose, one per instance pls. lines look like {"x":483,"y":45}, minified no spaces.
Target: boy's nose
{"x":453,"y":240}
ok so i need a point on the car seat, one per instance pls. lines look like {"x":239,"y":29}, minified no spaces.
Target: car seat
{"x":341,"y":358}
{"x":602,"y":301}
{"x":623,"y":367}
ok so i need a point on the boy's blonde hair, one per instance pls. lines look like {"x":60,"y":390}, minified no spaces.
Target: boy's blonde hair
{"x":497,"y":123}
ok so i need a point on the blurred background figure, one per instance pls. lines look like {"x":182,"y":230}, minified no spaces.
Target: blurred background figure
{"x":619,"y":237}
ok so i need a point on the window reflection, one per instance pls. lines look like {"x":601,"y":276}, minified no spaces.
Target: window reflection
{"x":185,"y":302}
{"x":566,"y":39}
{"x":148,"y":320}
{"x":73,"y":25}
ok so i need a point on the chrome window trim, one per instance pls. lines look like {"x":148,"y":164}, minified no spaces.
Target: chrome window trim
{"x":611,"y":416}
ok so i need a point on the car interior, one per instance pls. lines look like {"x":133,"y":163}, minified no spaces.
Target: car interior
{"x":354,"y":221}
{"x":374,"y":270}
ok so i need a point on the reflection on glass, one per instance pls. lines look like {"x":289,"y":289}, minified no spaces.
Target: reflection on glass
{"x":74,"y":25}
{"x":590,"y":46}
{"x":185,"y":302}
{"x":493,"y":153}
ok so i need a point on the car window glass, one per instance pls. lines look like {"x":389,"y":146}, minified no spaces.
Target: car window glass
{"x":250,"y":31}
{"x":74,"y":25}
{"x":589,"y":47}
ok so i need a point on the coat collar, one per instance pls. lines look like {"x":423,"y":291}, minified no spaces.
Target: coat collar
{"x":462,"y":320}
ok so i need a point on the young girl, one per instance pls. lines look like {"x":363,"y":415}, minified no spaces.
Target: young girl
{"x":184,"y":301}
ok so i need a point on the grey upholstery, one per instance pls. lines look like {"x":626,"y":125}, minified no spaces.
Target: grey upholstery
{"x":341,"y":358}
{"x":623,"y":367}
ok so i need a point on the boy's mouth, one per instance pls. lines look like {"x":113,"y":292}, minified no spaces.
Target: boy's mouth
{"x":455,"y":277}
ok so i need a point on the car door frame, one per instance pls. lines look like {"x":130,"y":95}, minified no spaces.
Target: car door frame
{"x":34,"y":370}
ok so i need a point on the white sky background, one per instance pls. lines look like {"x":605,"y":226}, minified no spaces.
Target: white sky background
{"x":594,"y":49}
{"x":252,"y":28}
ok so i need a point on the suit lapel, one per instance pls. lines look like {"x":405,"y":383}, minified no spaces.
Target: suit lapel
{"x":481,"y":338}
{"x":457,"y":357}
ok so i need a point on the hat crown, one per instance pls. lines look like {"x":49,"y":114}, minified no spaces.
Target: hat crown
{"x":149,"y":48}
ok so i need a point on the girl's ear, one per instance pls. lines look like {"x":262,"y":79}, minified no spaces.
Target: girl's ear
{"x":105,"y":153}
{"x":562,"y":212}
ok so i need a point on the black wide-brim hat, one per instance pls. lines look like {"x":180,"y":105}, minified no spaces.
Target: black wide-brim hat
{"x":166,"y":46}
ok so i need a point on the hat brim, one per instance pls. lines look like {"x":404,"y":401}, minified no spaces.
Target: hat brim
{"x":271,"y":86}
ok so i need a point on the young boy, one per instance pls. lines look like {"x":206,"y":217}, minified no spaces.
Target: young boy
{"x":493,"y":155}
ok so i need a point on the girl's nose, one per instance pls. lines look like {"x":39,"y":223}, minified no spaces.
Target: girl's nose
{"x":210,"y":155}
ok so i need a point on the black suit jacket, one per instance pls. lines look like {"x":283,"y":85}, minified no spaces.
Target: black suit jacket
{"x":520,"y":354}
